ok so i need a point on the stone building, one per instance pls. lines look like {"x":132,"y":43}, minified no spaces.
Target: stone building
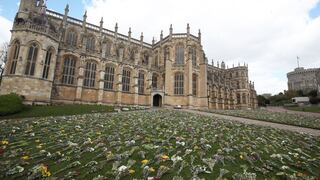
{"x":304,"y":79}
{"x":54,"y":58}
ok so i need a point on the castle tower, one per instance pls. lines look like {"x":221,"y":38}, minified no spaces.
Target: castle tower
{"x":32,"y":54}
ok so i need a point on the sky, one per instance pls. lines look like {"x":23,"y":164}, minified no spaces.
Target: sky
{"x":269,"y":35}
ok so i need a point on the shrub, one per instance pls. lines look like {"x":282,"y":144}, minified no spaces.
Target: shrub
{"x":10,"y":104}
{"x":314,"y":100}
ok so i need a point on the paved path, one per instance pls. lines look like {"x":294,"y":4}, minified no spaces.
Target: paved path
{"x":282,"y":109}
{"x":314,"y":132}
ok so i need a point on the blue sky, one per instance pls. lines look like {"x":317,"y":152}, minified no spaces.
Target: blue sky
{"x":266,"y":34}
{"x":10,"y":7}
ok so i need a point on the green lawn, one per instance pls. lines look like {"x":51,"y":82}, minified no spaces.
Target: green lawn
{"x":315,"y":109}
{"x":62,"y":110}
{"x":160,"y":144}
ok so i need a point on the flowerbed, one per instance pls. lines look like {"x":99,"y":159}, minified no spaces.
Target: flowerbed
{"x":160,"y":144}
{"x":277,"y":117}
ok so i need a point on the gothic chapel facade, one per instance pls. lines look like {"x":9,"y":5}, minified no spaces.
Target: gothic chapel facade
{"x":54,"y":58}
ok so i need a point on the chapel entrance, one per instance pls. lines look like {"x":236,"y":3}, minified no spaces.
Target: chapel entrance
{"x":157,"y":100}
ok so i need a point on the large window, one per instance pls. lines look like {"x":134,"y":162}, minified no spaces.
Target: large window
{"x":180,"y":54}
{"x":68,"y":74}
{"x":194,"y":84}
{"x":155,"y":81}
{"x":141,"y":83}
{"x":90,"y":46}
{"x":31,"y":59}
{"x":47,"y":62}
{"x":193,"y":55}
{"x":178,"y":84}
{"x":126,"y":74}
{"x":90,"y":74}
{"x":72,"y":38}
{"x":15,"y":56}
{"x":109,"y":78}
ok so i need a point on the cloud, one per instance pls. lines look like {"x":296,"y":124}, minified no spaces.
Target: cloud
{"x":267,"y":34}
{"x":5,"y":30}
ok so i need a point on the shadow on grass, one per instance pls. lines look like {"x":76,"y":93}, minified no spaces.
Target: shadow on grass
{"x":61,"y":110}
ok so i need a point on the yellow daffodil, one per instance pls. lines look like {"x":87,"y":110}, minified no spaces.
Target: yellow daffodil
{"x":165,"y":157}
{"x":4,"y":142}
{"x":145,"y":161}
{"x":39,"y":147}
{"x":45,"y":171}
{"x":151,"y":169}
{"x":241,"y":157}
{"x":37,"y":141}
{"x":131,"y":171}
{"x":98,"y":133}
{"x":25,"y":158}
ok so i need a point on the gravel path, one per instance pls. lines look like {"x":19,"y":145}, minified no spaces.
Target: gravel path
{"x":314,"y":132}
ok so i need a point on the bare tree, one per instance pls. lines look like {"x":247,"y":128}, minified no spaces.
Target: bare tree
{"x":3,"y":58}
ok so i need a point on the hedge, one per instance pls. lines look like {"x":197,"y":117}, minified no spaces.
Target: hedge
{"x":10,"y":104}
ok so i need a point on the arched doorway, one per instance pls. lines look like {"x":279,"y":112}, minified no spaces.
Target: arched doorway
{"x":157,"y":100}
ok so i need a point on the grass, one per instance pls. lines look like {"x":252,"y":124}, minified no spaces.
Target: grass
{"x":315,"y":109}
{"x":97,"y":145}
{"x":61,"y":110}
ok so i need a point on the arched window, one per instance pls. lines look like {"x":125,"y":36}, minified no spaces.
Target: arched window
{"x":155,"y":81}
{"x":109,"y":78}
{"x":90,"y":74}
{"x":238,"y":99}
{"x":141,"y":83}
{"x":193,"y":55}
{"x":179,"y":54}
{"x":31,"y":59}
{"x":108,"y":49}
{"x":72,"y":38}
{"x":178,"y":84}
{"x":47,"y":62}
{"x":126,"y":75}
{"x":194,"y":84}
{"x":90,"y":46}
{"x":68,"y":74}
{"x":15,"y":56}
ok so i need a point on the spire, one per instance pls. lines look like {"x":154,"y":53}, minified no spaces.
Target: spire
{"x":161,"y":35}
{"x":101,"y":25}
{"x":188,"y":29}
{"x":129,"y":33}
{"x":101,"y":22}
{"x":212,"y":62}
{"x":170,"y":29}
{"x":141,"y":37}
{"x":84,"y":23}
{"x":85,"y":16}
{"x":66,"y":10}
{"x":116,"y":28}
{"x":153,"y":41}
{"x":199,"y":35}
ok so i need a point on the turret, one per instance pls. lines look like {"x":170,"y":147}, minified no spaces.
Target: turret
{"x":25,"y":7}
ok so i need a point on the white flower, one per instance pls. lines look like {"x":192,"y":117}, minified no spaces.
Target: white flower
{"x":122,"y":168}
